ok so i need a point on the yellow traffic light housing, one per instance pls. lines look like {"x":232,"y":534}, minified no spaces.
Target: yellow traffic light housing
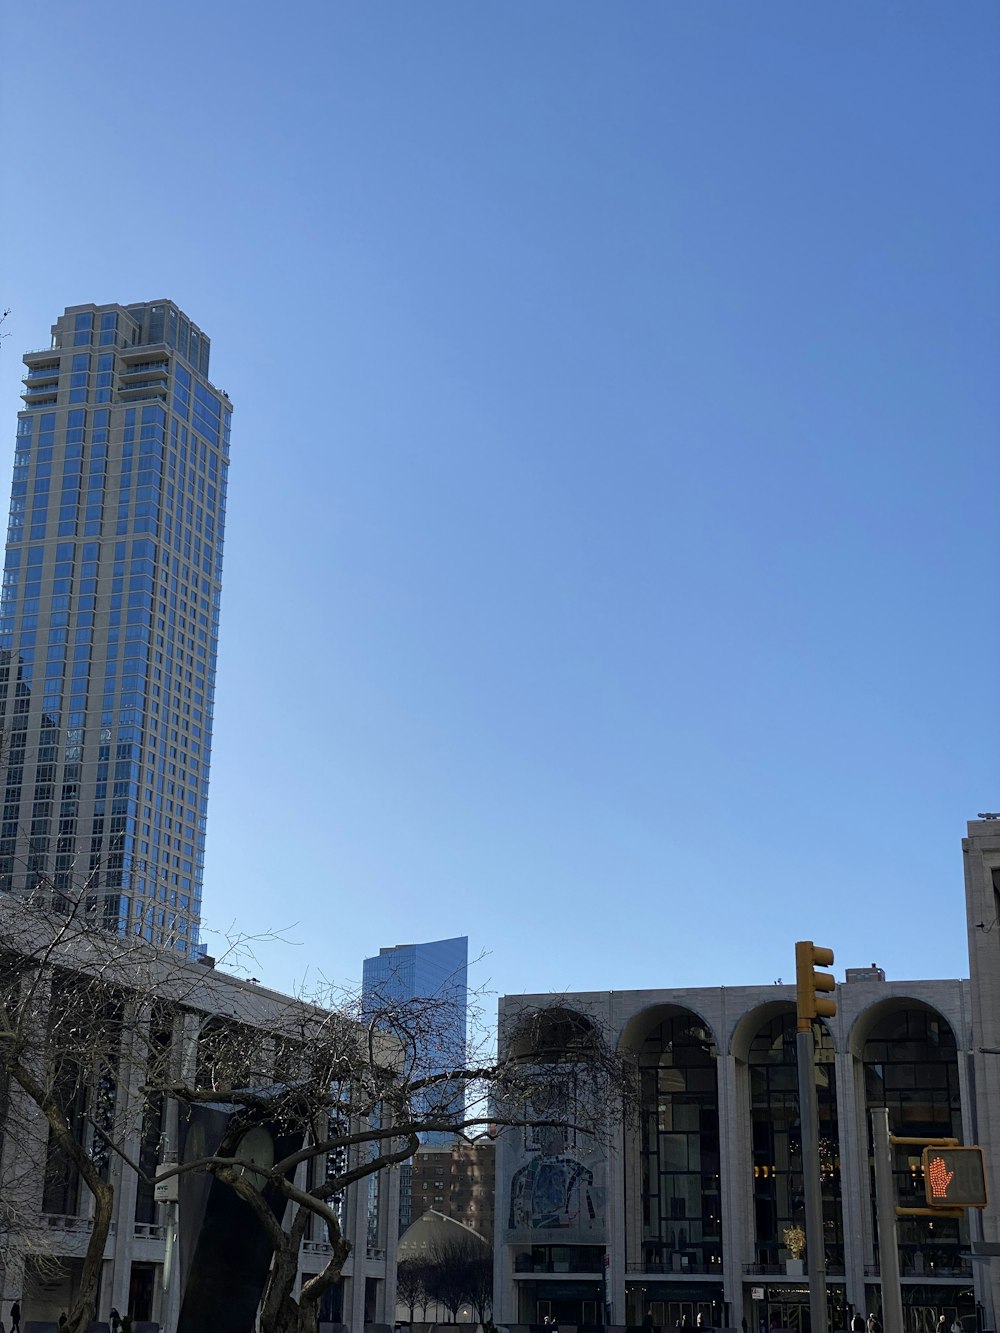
{"x":811,"y":987}
{"x":954,"y":1177}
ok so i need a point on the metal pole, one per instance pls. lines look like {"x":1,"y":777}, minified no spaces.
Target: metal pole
{"x":885,"y":1207}
{"x":815,"y":1241}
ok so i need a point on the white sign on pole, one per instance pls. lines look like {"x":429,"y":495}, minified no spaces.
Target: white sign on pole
{"x":165,"y":1191}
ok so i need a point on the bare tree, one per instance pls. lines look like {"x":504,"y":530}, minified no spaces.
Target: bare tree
{"x":411,"y":1285}
{"x":479,"y":1284}
{"x":460,"y":1272}
{"x":77,"y":1005}
{"x":446,"y":1275}
{"x":362,"y":1074}
{"x":88,"y":1023}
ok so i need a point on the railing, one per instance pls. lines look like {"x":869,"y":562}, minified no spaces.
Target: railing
{"x":374,"y":1252}
{"x":316,"y":1247}
{"x":781,"y":1270}
{"x":144,"y":349}
{"x":686,"y":1266}
{"x":528,"y":1269}
{"x":927,"y":1271}
{"x":148,"y":1231}
{"x":64,"y":1222}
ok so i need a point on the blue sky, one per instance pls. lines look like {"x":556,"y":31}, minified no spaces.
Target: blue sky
{"x":612,"y":545}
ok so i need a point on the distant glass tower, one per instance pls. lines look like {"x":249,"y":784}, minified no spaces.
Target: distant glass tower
{"x":427,"y":971}
{"x":110,"y":618}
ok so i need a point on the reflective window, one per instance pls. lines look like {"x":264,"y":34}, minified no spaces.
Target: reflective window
{"x":681,"y":1206}
{"x":779,"y":1200}
{"x":911,"y":1067}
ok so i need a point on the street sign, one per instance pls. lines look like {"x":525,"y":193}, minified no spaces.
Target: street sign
{"x":165,"y":1191}
{"x":954,"y":1177}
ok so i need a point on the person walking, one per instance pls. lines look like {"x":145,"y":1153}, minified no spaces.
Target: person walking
{"x":15,"y":1317}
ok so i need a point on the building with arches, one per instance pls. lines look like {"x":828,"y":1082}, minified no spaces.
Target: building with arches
{"x":196,"y":1247}
{"x":680,"y":1217}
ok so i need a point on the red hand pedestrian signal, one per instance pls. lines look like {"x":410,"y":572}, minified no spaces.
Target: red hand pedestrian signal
{"x":954,"y":1177}
{"x":940,"y":1177}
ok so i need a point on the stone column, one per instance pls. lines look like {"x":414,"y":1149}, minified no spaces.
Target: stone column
{"x":855,"y":1183}
{"x":736,"y":1169}
{"x":130,"y":1103}
{"x":390,"y":1235}
{"x":614,"y":1270}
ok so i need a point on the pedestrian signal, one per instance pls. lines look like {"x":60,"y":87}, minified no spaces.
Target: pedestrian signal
{"x":954,"y":1177}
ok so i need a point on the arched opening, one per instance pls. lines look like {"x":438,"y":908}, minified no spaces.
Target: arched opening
{"x":778,"y":1190}
{"x":547,"y":1035}
{"x":555,"y":1194}
{"x":675,"y":1224}
{"x":679,"y":1147}
{"x":909,"y":1059}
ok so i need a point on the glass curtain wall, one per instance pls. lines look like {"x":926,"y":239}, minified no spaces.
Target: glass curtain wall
{"x":681,"y":1213}
{"x":779,"y":1200}
{"x":911,"y":1067}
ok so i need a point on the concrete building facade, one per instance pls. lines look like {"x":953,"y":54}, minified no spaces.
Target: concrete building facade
{"x":683,"y":1214}
{"x":981,"y":855}
{"x":110,"y":619}
{"x":147,"y":1262}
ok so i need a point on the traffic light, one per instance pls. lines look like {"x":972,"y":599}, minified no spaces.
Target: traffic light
{"x":954,"y":1177}
{"x":812,"y":987}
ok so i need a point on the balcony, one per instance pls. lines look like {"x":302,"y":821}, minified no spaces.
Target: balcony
{"x":143,"y":351}
{"x":834,"y":1269}
{"x":148,"y":1231}
{"x":559,"y":1259}
{"x":679,"y":1265}
{"x":38,"y":373}
{"x":916,"y":1271}
{"x":157,"y":367}
{"x":144,"y":389}
{"x":70,"y":1236}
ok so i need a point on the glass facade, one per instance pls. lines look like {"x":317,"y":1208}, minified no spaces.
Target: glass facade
{"x":437,"y":970}
{"x":911,"y":1067}
{"x":109,"y":621}
{"x":778,"y":1188}
{"x":681,"y":1205}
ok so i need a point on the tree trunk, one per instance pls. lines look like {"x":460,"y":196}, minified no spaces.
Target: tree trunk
{"x":280,"y":1312}
{"x":84,"y":1309}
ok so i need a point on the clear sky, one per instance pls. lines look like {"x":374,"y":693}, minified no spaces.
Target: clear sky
{"x":612,"y":555}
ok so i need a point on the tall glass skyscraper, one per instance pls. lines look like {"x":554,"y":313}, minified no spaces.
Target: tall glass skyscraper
{"x":437,"y":970}
{"x":109,"y":621}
